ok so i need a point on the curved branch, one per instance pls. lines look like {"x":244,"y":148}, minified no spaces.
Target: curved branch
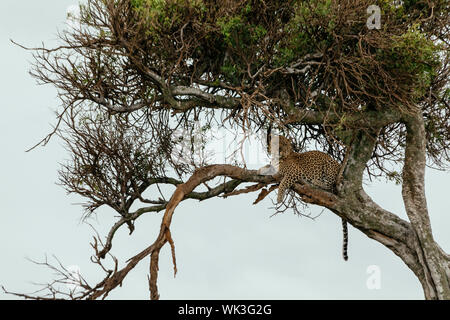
{"x":108,"y":244}
{"x":223,"y":188}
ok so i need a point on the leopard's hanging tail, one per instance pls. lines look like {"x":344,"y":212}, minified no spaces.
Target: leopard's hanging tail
{"x":338,"y":182}
{"x":345,"y":242}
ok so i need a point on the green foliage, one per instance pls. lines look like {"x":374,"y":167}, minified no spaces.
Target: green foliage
{"x":413,"y":54}
{"x":239,"y":32}
{"x":310,"y":18}
{"x":232,"y":42}
{"x":265,"y":60}
{"x":165,"y":15}
{"x":230,"y":72}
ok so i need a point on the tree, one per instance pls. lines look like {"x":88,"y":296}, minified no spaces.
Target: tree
{"x":132,"y":73}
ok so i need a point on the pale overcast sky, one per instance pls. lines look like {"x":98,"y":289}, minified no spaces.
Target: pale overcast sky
{"x":226,"y":249}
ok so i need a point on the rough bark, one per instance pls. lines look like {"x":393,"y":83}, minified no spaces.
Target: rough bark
{"x":413,"y":242}
{"x":434,"y":263}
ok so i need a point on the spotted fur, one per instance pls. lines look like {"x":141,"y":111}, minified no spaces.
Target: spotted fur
{"x":313,"y":167}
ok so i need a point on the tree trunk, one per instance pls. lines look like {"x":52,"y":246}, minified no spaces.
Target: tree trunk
{"x":432,"y":259}
{"x":413,"y":242}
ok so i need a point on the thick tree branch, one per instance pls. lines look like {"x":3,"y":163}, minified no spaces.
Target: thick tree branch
{"x":362,"y":119}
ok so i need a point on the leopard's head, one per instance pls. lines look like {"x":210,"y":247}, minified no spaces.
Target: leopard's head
{"x":280,"y":146}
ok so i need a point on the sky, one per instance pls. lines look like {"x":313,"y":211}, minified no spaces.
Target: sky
{"x":226,"y":249}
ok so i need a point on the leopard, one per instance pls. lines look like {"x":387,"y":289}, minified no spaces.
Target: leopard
{"x":315,"y":167}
